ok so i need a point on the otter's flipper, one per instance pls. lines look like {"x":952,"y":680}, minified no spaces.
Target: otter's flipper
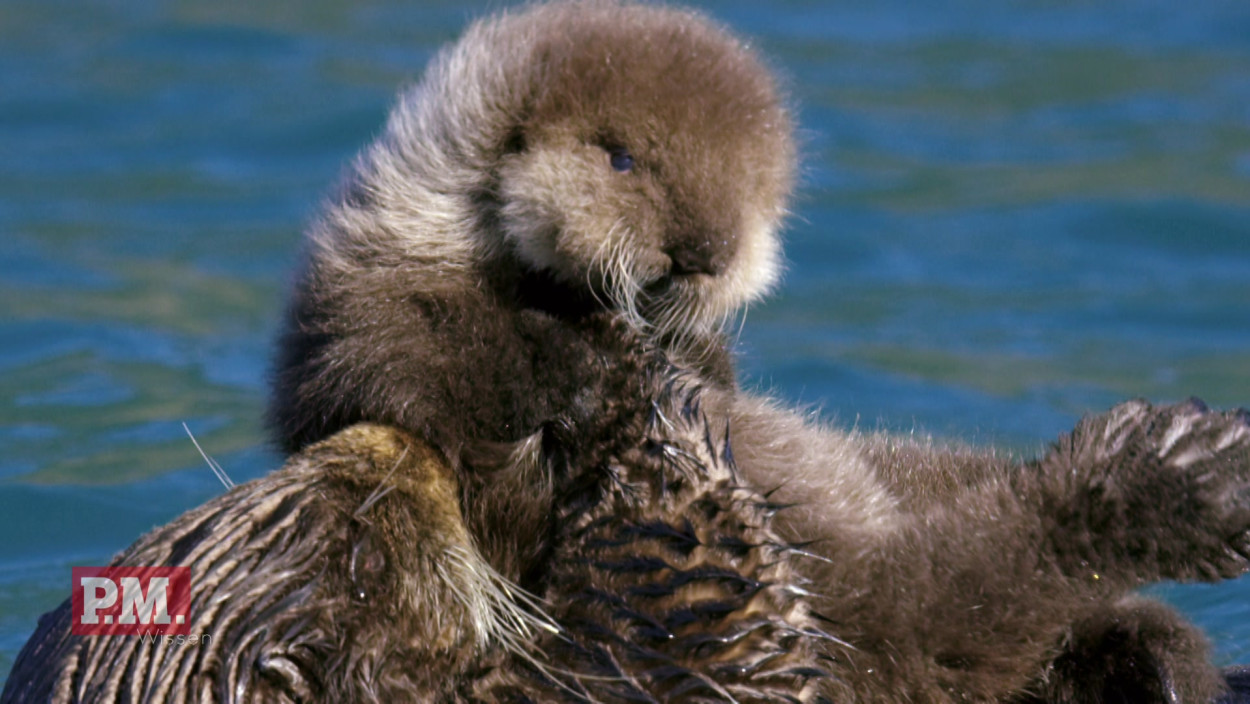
{"x":323,"y":581}
{"x":1144,"y":493}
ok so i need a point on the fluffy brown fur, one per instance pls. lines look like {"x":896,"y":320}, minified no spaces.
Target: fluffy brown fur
{"x":439,"y":286}
{"x":976,"y":578}
{"x":581,"y":173}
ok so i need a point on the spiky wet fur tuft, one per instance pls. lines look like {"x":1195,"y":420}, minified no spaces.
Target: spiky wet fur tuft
{"x":666,"y":575}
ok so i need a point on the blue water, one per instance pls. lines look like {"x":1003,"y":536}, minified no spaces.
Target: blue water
{"x":1012,"y":214}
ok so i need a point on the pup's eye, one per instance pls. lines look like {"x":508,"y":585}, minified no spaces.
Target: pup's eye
{"x":621,"y":159}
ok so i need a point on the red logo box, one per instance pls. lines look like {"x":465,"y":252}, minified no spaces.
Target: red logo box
{"x":131,"y":601}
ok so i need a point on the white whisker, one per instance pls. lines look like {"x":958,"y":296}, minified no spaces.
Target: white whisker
{"x":383,"y":488}
{"x":505,"y":614}
{"x":212,"y":464}
{"x":742,"y":323}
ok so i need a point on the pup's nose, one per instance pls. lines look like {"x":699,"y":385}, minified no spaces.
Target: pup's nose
{"x":703,"y":259}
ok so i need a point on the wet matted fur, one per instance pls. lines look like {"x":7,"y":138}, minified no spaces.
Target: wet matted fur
{"x":666,"y":574}
{"x":323,"y":581}
{"x":349,"y":575}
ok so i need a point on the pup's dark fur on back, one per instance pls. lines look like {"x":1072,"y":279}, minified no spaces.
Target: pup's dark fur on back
{"x":580,"y":178}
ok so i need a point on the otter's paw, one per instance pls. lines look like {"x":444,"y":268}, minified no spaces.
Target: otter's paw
{"x":1134,"y":650}
{"x":1167,"y":488}
{"x":1179,"y":436}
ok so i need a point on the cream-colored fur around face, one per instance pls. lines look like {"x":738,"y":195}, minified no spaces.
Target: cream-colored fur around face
{"x":566,"y":210}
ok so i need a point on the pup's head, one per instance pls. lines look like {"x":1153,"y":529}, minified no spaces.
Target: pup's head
{"x":650,"y":162}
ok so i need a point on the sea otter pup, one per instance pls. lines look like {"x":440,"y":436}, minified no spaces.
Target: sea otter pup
{"x":576,"y":173}
{"x":556,"y":163}
{"x":572,"y":158}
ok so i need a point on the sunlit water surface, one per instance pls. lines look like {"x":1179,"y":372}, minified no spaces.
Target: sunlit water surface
{"x":1012,"y":214}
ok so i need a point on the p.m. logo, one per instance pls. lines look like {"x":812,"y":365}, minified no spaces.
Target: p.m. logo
{"x":131,"y":601}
